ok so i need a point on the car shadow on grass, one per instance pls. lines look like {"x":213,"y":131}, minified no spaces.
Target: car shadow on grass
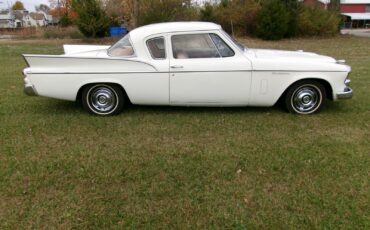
{"x":199,"y":109}
{"x":51,"y":106}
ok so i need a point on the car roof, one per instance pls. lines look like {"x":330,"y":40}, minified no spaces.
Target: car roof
{"x":168,"y":27}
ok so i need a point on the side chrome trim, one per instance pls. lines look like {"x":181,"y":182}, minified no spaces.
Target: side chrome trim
{"x":88,"y":58}
{"x":347,"y":94}
{"x":143,"y":72}
{"x":273,"y":72}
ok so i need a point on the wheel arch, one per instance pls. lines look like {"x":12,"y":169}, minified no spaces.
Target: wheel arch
{"x":80,"y":90}
{"x":323,"y":82}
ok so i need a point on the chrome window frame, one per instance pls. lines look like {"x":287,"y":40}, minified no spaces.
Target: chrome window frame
{"x":132,"y":45}
{"x":165,"y":49}
{"x":224,"y":43}
{"x":205,"y":34}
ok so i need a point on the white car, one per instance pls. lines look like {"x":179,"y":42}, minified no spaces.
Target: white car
{"x":186,"y":64}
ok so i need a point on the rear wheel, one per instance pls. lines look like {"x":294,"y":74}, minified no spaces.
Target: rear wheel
{"x":103,"y":99}
{"x":305,"y":97}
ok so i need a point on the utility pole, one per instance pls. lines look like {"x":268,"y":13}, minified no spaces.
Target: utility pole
{"x":59,"y":9}
{"x":58,"y":14}
{"x":136,"y":13}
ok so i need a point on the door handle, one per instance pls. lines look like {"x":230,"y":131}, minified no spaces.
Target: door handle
{"x":177,"y":66}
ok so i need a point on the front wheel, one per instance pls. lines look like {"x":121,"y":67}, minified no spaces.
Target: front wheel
{"x":103,"y":99}
{"x":305,"y":97}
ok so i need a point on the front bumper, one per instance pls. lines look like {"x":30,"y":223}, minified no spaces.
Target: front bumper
{"x":347,"y":94}
{"x":29,"y":89}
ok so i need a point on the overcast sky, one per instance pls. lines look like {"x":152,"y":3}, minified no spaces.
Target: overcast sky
{"x":28,"y":4}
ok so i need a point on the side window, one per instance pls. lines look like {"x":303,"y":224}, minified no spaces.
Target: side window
{"x":157,"y":48}
{"x":123,"y":48}
{"x":193,"y":46}
{"x":223,"y":48}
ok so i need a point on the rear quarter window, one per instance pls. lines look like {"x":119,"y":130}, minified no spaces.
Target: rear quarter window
{"x":157,"y":48}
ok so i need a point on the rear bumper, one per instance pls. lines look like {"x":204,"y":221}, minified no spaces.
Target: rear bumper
{"x":346,"y":94}
{"x":29,"y":89}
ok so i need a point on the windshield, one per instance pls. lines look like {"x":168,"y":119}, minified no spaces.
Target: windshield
{"x":238,"y":44}
{"x":123,"y":48}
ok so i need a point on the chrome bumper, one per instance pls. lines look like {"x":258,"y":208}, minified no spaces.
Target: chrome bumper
{"x":347,"y":94}
{"x":29,"y":89}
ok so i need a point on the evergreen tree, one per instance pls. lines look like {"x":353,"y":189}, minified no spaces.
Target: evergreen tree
{"x":92,"y":20}
{"x":273,"y":20}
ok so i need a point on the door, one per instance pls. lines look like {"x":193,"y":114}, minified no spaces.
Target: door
{"x":207,"y":70}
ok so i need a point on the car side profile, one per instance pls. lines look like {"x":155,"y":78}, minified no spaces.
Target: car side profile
{"x":186,"y":64}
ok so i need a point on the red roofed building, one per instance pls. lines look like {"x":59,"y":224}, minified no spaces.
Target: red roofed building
{"x":357,"y":13}
{"x":355,"y":6}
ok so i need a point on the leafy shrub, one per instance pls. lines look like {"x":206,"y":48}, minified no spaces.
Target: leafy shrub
{"x":207,"y":13}
{"x":92,"y":20}
{"x":237,"y":17}
{"x":273,"y":20}
{"x":234,"y":16}
{"x":65,"y":21}
{"x":153,"y":11}
{"x":318,"y":22}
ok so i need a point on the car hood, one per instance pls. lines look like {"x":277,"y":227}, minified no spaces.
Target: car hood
{"x":296,"y":55}
{"x":281,"y":60}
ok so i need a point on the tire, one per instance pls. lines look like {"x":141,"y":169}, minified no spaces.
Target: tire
{"x":305,"y":97}
{"x":103,"y":99}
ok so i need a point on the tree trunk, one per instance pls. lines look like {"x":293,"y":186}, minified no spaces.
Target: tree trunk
{"x":136,"y":13}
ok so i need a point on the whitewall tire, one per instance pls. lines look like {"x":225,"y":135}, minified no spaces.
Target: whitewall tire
{"x":103,"y":99}
{"x":305,"y":97}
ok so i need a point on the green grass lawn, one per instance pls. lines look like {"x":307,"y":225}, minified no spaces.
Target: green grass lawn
{"x":163,"y":167}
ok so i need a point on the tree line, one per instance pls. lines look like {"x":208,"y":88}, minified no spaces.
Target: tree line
{"x":266,"y":19}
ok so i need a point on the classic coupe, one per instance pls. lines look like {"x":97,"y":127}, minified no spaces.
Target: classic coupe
{"x":186,"y":64}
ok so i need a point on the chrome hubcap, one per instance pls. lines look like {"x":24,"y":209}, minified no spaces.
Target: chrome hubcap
{"x":102,"y":99}
{"x":306,"y":99}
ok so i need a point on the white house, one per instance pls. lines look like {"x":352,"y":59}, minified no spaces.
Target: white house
{"x":7,"y":19}
{"x":23,"y":18}
{"x":33,"y":19}
{"x":48,"y":17}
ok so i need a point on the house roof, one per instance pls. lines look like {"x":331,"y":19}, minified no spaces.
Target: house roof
{"x":358,"y":16}
{"x":6,"y":15}
{"x":18,"y":14}
{"x":2,"y":12}
{"x":355,"y":2}
{"x":37,"y":16}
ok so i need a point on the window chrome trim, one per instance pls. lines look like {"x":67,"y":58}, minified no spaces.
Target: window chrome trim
{"x":132,"y":45}
{"x":224,"y":43}
{"x":205,"y":34}
{"x":164,"y":43}
{"x":213,"y":42}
